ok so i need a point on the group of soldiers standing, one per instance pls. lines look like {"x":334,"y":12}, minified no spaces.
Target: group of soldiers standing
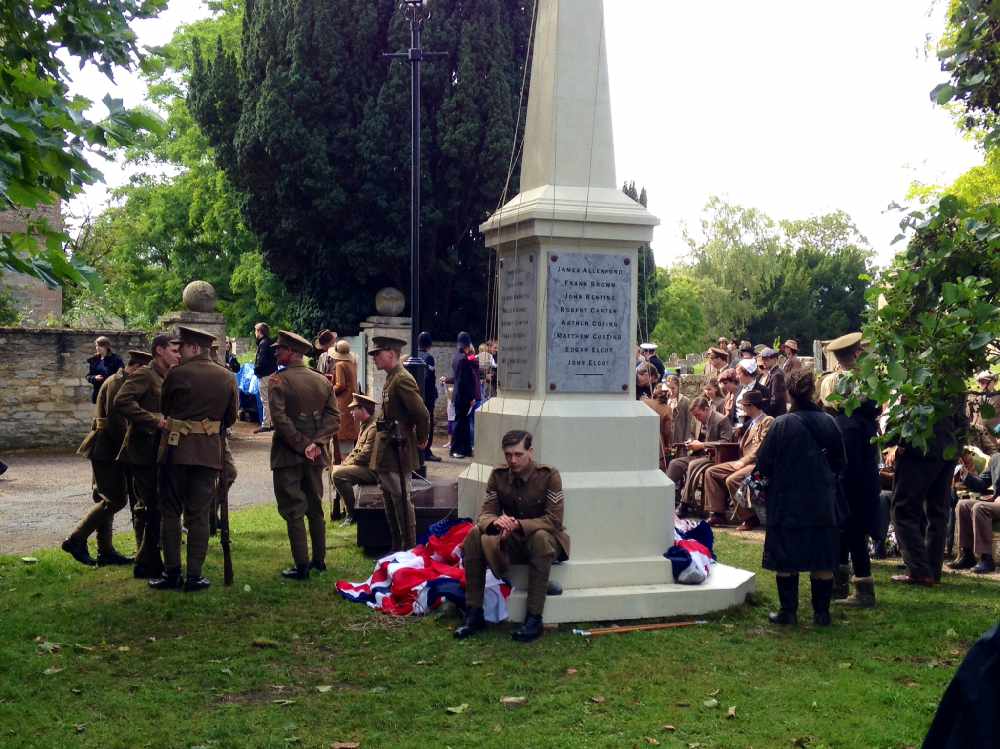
{"x":158,"y":443}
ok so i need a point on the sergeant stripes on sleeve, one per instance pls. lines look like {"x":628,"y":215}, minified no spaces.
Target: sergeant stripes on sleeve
{"x":554,"y":497}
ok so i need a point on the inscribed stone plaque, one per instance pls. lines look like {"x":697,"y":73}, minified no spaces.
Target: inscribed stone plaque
{"x":518,"y":321}
{"x":589,"y":321}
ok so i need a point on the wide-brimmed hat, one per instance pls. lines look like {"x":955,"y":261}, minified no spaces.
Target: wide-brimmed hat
{"x":323,"y":339}
{"x":362,"y":401}
{"x":293,"y":342}
{"x":792,"y":344}
{"x":342,"y":351}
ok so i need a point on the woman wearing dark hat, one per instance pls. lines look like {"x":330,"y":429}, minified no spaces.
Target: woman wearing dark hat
{"x":801,"y":459}
{"x":102,"y":365}
{"x":324,"y":345}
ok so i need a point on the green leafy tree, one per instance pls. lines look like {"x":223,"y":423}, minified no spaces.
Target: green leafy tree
{"x":168,"y":230}
{"x":44,"y":135}
{"x":649,"y":277}
{"x":317,"y":141}
{"x":682,"y":327}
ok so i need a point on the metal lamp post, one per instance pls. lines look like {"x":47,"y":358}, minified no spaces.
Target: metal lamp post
{"x":418,"y":13}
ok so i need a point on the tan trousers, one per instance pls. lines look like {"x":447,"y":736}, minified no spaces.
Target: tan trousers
{"x":186,"y":490}
{"x":298,"y":490}
{"x":110,"y":495}
{"x":265,"y":418}
{"x":974,"y":518}
{"x":399,"y":512}
{"x":345,"y":478}
{"x":481,"y":550}
{"x":721,"y":483}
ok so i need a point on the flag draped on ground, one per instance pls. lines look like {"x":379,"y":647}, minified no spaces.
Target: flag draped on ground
{"x":691,"y":556}
{"x":416,"y":581}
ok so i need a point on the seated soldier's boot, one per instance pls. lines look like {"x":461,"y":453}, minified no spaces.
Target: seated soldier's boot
{"x":77,"y":548}
{"x":531,"y":629}
{"x":298,"y":572}
{"x":842,"y":581}
{"x":788,"y":598}
{"x":966,"y":561}
{"x":864,"y":594}
{"x":194,"y":584}
{"x":475,"y":622}
{"x":318,"y":566}
{"x":821,"y":592}
{"x":113,"y":559}
{"x":986,"y":565}
{"x":169,"y":580}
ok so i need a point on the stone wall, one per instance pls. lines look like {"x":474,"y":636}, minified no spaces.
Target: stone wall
{"x":43,"y":394}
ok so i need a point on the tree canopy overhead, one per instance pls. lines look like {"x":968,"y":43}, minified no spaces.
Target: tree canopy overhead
{"x":44,"y":133}
{"x":311,"y":124}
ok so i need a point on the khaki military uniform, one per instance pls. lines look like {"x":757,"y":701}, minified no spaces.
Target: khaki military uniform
{"x":356,"y":468}
{"x":402,"y":404}
{"x":981,"y":429}
{"x":102,"y":446}
{"x":304,"y":411}
{"x":138,"y":402}
{"x":199,"y":402}
{"x":537,"y":502}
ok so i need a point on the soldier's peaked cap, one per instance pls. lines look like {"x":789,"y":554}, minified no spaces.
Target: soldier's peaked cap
{"x":293,"y":342}
{"x":195,"y":336}
{"x":383,"y":343}
{"x":844,"y":342}
{"x":362,"y":401}
{"x":139,"y":357}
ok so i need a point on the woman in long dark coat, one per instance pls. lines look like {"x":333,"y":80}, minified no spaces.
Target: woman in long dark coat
{"x":102,"y":365}
{"x":802,"y":458}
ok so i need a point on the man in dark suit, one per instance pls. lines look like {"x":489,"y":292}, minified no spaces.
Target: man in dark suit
{"x":712,"y":427}
{"x":773,"y":378}
{"x":265,"y":364}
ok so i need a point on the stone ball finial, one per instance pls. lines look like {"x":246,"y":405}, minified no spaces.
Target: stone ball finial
{"x":390,"y":302}
{"x":199,"y":296}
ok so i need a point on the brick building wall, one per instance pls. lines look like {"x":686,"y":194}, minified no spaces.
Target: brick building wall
{"x":33,"y":298}
{"x":44,"y":396}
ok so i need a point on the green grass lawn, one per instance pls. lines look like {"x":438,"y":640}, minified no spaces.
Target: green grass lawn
{"x":90,"y":658}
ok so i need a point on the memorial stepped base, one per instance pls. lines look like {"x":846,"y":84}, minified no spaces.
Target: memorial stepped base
{"x":726,"y":587}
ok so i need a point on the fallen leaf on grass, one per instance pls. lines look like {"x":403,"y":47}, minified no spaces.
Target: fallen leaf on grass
{"x":52,"y":670}
{"x":345,"y":745}
{"x":951,"y":633}
{"x":80,"y":727}
{"x":598,"y":699}
{"x":29,"y":560}
{"x":478,"y":663}
{"x":227,"y":671}
{"x":49,"y":647}
{"x":711,"y":703}
{"x":651,"y":741}
{"x":247,"y":588}
{"x":683,"y":704}
{"x":378,"y":690}
{"x":669,"y":728}
{"x":714,"y":693}
{"x":283,"y":702}
{"x":124,"y":648}
{"x":571,"y":672}
{"x":76,"y":690}
{"x":264,"y":642}
{"x":731,"y":712}
{"x":83,"y":648}
{"x":513,"y":701}
{"x":457,"y":709}
{"x":845,"y":665}
{"x":423,"y":663}
{"x":324,"y":688}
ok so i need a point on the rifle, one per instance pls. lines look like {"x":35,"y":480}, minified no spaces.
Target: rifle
{"x":222,"y":497}
{"x":398,"y":440}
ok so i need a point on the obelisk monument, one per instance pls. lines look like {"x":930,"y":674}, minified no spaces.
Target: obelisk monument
{"x":568,"y":250}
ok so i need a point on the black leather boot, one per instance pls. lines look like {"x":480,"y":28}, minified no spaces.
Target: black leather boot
{"x":475,"y":622}
{"x":194,"y":584}
{"x":298,"y":572}
{"x":986,"y":565}
{"x":169,"y":580}
{"x":531,"y":629}
{"x":113,"y":559}
{"x":788,"y":598}
{"x":77,"y":548}
{"x":821,"y":592}
{"x":966,"y":561}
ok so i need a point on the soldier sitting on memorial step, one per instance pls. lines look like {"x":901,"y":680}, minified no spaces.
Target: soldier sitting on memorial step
{"x":521,"y":521}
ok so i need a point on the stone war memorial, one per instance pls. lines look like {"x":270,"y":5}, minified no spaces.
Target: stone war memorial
{"x":568,"y":249}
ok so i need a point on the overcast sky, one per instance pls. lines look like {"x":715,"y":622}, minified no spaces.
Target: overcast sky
{"x":795,"y":107}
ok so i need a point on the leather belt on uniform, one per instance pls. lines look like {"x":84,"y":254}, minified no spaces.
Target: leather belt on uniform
{"x":178,"y":428}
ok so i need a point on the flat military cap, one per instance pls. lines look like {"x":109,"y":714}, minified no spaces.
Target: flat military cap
{"x":719,"y":352}
{"x":293,"y":342}
{"x":647,"y":346}
{"x":844,"y":342}
{"x":139,"y":357}
{"x":362,"y":401}
{"x":768,"y":353}
{"x":384,"y":343}
{"x":195,"y":336}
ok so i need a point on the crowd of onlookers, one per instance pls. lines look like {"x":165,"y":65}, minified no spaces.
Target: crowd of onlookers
{"x":766,"y":444}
